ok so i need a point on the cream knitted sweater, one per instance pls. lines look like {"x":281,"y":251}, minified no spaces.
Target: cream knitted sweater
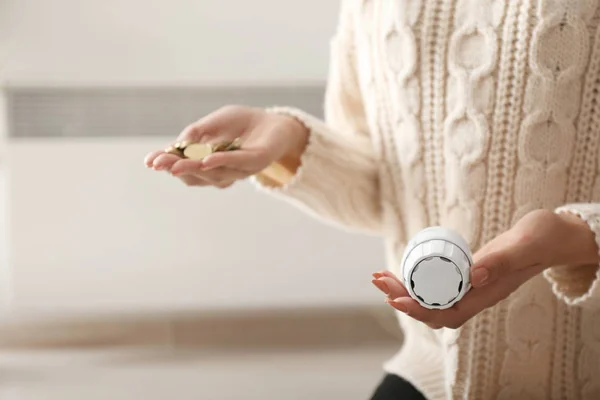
{"x":469,"y":114}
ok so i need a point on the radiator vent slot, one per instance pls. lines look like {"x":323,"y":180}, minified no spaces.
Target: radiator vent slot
{"x":127,"y":112}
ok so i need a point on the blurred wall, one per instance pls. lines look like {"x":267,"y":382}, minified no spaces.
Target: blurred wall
{"x":157,"y":42}
{"x":89,"y":229}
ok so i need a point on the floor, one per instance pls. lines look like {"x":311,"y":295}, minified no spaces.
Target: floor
{"x":154,"y":374}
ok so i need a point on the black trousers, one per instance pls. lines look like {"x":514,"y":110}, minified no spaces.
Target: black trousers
{"x":393,"y":387}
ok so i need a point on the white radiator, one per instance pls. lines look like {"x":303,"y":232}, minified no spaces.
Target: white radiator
{"x":90,"y":229}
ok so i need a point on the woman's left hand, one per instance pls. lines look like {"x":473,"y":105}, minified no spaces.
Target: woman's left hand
{"x":539,"y":240}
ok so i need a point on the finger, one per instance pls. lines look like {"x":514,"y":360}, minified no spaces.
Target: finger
{"x":390,"y":287}
{"x":208,"y":125}
{"x":186,"y":167}
{"x":242,"y":160}
{"x":395,"y":288}
{"x":379,"y":284}
{"x":164,"y":161}
{"x":383,"y":273}
{"x":194,"y":133}
{"x":223,"y":122}
{"x":217,"y":175}
{"x":494,"y":266}
{"x":409,"y":305}
{"x":477,"y":300}
{"x":196,"y":167}
{"x":149,"y":159}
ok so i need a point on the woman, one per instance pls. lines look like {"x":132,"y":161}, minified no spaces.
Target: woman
{"x":478,"y":115}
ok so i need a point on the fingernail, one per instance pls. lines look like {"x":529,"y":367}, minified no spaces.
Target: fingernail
{"x":479,"y":276}
{"x":381,"y":285}
{"x":378,"y":275}
{"x":400,"y":306}
{"x":206,"y":162}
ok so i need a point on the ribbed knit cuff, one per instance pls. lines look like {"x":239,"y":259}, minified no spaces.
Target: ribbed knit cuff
{"x":311,"y":124}
{"x":337,"y":178}
{"x":304,"y":184}
{"x":578,"y":285}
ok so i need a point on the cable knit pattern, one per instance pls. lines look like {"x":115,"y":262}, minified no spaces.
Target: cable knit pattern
{"x":471,"y":62}
{"x":399,"y":39}
{"x":469,"y":114}
{"x":390,"y":184}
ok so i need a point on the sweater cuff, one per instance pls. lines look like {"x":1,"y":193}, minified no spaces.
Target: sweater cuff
{"x":578,"y":285}
{"x":340,"y":189}
{"x":298,"y":180}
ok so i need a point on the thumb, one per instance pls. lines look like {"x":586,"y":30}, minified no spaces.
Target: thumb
{"x":243,"y":160}
{"x":491,"y":267}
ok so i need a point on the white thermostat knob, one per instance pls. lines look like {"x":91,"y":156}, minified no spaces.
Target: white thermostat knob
{"x":435,"y":267}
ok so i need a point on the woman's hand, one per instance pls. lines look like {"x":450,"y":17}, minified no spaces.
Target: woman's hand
{"x":266,"y":138}
{"x":539,"y":240}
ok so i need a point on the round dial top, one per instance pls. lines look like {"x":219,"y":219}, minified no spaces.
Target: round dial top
{"x":436,"y":281}
{"x":435,"y":268}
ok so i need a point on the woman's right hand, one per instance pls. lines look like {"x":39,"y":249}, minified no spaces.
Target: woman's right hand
{"x":265,"y":137}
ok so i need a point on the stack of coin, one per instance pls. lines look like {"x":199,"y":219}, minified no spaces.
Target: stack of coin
{"x":198,"y":151}
{"x":177,"y":148}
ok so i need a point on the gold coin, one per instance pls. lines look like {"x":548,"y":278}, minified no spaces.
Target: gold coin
{"x":224,"y":146}
{"x":197,"y":151}
{"x":181,"y":145}
{"x":221,"y":146}
{"x":228,"y":146}
{"x":173,"y":150}
{"x":235,"y":145}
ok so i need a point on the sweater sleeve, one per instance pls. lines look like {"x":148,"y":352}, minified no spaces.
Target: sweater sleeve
{"x":337,"y":180}
{"x":579,"y":285}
